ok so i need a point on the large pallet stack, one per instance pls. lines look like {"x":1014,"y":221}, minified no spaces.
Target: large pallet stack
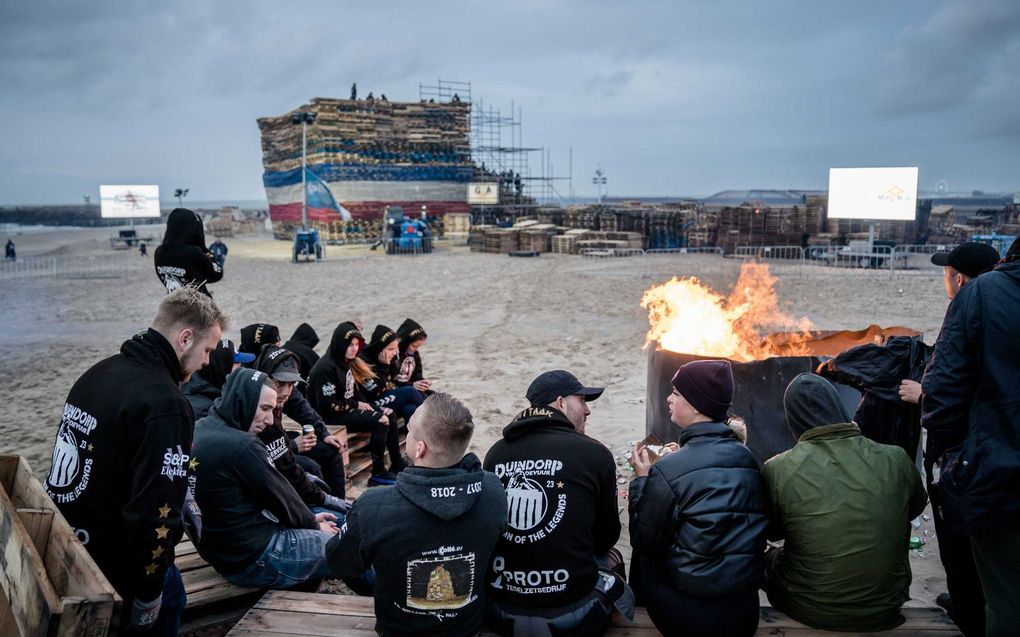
{"x":748,"y":225}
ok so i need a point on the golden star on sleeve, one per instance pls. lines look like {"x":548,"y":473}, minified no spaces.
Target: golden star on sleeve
{"x":151,"y":569}
{"x":560,"y":485}
{"x":90,"y":446}
{"x":193,"y":464}
{"x":157,"y":552}
{"x":162,"y":531}
{"x":164,"y":510}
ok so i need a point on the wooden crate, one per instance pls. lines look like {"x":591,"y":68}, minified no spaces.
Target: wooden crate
{"x":49,"y":585}
{"x":500,"y":240}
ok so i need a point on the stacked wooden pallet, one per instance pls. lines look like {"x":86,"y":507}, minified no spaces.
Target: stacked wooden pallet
{"x":566,"y":243}
{"x":537,"y":237}
{"x":476,"y":237}
{"x":767,"y":226}
{"x":501,"y":240}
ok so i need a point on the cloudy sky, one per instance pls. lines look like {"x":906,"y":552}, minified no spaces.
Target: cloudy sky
{"x":668,"y":97}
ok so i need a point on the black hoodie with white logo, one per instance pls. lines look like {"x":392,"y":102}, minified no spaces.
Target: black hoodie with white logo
{"x":244,"y":499}
{"x":562,"y":511}
{"x":120,"y":463}
{"x":430,"y":537}
{"x":331,"y":388}
{"x":409,"y":368}
{"x":385,"y":372}
{"x":182,"y":258}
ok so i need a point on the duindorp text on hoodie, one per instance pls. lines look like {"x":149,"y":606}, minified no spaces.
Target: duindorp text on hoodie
{"x":182,"y":258}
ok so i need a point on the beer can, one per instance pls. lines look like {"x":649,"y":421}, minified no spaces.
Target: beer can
{"x":307,"y":429}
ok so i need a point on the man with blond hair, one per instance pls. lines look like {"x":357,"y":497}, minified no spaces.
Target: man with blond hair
{"x":121,"y":457}
{"x":431,"y":535}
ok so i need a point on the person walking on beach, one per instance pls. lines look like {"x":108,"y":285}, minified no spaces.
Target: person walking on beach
{"x":143,"y":248}
{"x":219,"y":250}
{"x":969,"y":409}
{"x":182,"y":259}
{"x":120,"y":462}
{"x":10,"y":253}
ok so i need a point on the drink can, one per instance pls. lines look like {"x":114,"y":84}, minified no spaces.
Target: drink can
{"x":307,"y":429}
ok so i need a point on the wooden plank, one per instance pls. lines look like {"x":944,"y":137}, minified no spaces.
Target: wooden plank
{"x":37,"y":522}
{"x":22,"y":574}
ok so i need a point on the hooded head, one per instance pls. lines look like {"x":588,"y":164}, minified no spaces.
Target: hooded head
{"x":254,"y":336}
{"x":185,"y":227}
{"x":240,"y":399}
{"x":305,"y":334}
{"x":381,"y":337}
{"x":409,"y":332}
{"x":343,"y":335}
{"x":811,"y":401}
{"x":282,"y":364}
{"x":221,"y":362}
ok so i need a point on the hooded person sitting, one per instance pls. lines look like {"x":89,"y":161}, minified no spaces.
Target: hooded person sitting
{"x":333,"y":392}
{"x":302,"y":342}
{"x":206,"y":384}
{"x":257,"y":532}
{"x":256,"y":336}
{"x":183,"y":258}
{"x":282,"y":365}
{"x":382,"y":391}
{"x":843,"y":505}
{"x":431,"y":536}
{"x":409,"y":369}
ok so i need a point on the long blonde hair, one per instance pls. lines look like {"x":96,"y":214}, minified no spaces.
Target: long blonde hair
{"x":361,"y":370}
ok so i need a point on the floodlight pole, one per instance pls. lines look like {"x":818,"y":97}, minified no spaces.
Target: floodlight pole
{"x":304,"y":118}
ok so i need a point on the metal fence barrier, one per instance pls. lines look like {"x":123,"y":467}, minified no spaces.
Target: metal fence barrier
{"x":69,"y":267}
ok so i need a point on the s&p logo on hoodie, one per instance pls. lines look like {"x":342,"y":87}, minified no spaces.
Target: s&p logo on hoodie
{"x":174,"y":463}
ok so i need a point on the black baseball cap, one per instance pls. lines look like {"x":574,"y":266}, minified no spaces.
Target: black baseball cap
{"x":969,"y":259}
{"x":549,"y":386}
{"x":288,"y":371}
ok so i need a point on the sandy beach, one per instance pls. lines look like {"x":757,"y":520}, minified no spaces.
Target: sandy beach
{"x":494,"y":323}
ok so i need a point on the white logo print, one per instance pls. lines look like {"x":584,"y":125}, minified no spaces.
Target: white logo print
{"x":349,"y":391}
{"x":406,"y":369}
{"x":174,"y":463}
{"x":328,"y":389}
{"x":526,"y":502}
{"x":65,"y":461}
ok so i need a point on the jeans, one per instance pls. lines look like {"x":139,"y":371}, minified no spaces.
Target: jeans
{"x":169,"y":620}
{"x":292,"y":556}
{"x":402,"y":400}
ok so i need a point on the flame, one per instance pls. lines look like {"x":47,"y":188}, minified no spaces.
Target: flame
{"x":687,"y":316}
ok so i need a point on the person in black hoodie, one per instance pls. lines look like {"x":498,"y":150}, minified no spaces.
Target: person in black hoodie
{"x":119,"y":467}
{"x":698,"y":517}
{"x":256,"y":531}
{"x":303,"y":343}
{"x":256,"y":336}
{"x":430,"y":537}
{"x":550,"y":570}
{"x":382,"y":391}
{"x":409,"y":369}
{"x":206,"y":385}
{"x":182,"y":258}
{"x":282,"y":365}
{"x":333,"y":392}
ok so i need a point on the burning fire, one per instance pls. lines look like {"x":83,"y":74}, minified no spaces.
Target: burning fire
{"x":687,"y":316}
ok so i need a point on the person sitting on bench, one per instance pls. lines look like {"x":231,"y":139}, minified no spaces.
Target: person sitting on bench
{"x":382,"y":391}
{"x":430,"y":537}
{"x":256,"y":531}
{"x":409,"y":369}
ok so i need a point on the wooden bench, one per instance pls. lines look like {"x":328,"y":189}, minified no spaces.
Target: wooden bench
{"x":292,"y":614}
{"x":214,"y":604}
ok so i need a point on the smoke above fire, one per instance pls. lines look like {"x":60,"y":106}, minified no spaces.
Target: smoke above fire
{"x":687,"y":316}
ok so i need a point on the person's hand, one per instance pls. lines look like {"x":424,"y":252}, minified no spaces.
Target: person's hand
{"x":305,"y":442}
{"x":641,"y":462}
{"x":422,"y":385}
{"x":325,"y":516}
{"x":334,"y":441}
{"x":365,"y":407}
{"x":144,"y":614}
{"x":387,"y":411}
{"x":910,"y":391}
{"x":383,"y":419}
{"x":328,"y":527}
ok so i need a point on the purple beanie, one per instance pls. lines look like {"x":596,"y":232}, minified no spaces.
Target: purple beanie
{"x":707,"y":386}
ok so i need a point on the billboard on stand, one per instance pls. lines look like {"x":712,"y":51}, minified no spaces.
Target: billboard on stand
{"x":881,"y":194}
{"x":127,"y":202}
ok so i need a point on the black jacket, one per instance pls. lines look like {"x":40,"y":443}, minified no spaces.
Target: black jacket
{"x":303,"y":343}
{"x":244,"y":499}
{"x":331,"y":388}
{"x":876,"y":371}
{"x":971,"y":408}
{"x":430,"y":538}
{"x":182,"y":258}
{"x":409,"y":368}
{"x":561,"y":494}
{"x":200,"y":393}
{"x":385,"y":373}
{"x":120,"y":462}
{"x":701,"y":513}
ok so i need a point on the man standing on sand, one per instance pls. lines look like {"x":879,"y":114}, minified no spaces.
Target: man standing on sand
{"x":121,"y":458}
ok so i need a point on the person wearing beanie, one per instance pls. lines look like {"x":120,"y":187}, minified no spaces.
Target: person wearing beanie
{"x":835,"y":479}
{"x":333,"y":392}
{"x":382,"y":391}
{"x":698,"y":515}
{"x":182,"y":258}
{"x":556,"y":567}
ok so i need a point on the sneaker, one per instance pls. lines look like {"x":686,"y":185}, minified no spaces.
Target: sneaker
{"x":945,"y":602}
{"x":382,"y":479}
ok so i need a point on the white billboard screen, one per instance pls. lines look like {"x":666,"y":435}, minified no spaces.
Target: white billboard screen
{"x":882,"y":194}
{"x":483,"y":193}
{"x":124,"y":202}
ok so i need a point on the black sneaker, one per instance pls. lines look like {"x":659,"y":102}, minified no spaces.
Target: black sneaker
{"x":945,"y":602}
{"x":382,"y":479}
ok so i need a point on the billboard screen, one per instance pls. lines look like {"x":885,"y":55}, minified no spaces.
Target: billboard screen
{"x":882,"y":194}
{"x":486,"y":193}
{"x":124,"y":202}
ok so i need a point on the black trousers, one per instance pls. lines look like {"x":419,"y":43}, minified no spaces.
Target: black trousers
{"x":681,"y":615}
{"x":331,"y":461}
{"x":385,"y":437}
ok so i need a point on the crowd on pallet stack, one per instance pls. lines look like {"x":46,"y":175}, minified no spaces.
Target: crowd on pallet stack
{"x":182,"y":433}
